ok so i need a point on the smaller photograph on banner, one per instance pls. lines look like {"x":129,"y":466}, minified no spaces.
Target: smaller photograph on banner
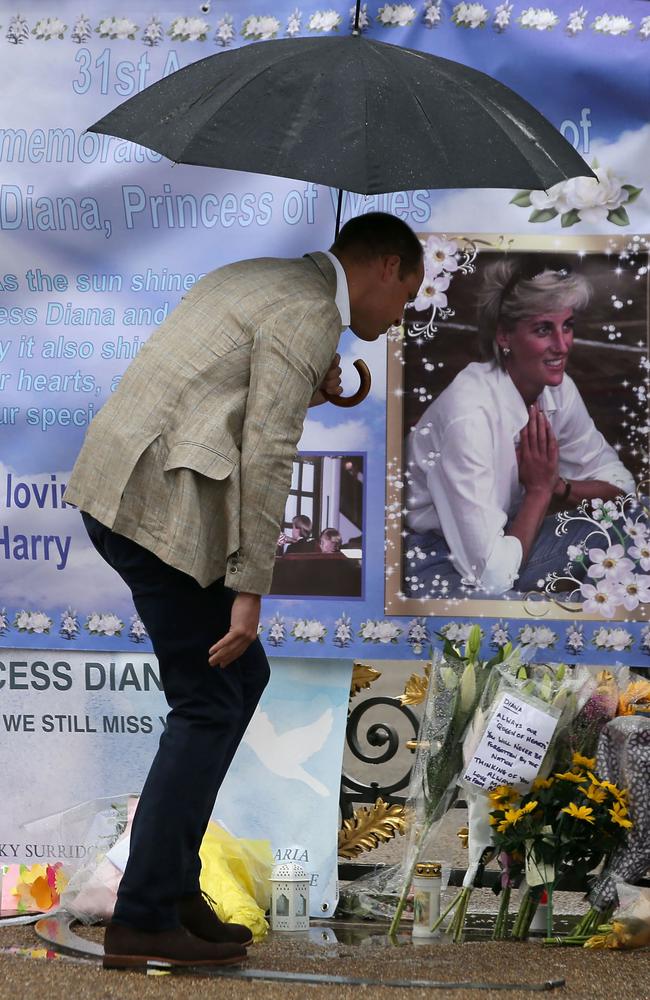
{"x":320,"y":548}
{"x":518,"y":341}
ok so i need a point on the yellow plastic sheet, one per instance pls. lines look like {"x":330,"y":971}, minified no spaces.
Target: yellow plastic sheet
{"x":236,"y":873}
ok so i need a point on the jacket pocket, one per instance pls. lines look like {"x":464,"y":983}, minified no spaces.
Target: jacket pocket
{"x":200,"y":458}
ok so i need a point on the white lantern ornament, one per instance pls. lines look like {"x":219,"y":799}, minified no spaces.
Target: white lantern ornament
{"x":289,"y":897}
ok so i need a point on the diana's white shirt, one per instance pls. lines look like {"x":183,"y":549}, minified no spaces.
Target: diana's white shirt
{"x":462,"y":467}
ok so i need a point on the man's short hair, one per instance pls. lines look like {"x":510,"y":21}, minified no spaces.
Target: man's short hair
{"x":378,"y":234}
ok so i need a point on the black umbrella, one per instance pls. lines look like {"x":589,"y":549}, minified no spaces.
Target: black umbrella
{"x":349,"y":113}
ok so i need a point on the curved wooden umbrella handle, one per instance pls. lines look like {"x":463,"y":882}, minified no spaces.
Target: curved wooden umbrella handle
{"x":365,"y":381}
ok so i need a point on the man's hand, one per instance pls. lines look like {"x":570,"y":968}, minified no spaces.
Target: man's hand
{"x":244,"y":620}
{"x":331,"y":384}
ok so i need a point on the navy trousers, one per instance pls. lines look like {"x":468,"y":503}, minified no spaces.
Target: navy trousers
{"x":210,"y":708}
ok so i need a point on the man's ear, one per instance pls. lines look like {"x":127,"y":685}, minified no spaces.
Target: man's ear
{"x":391,"y":264}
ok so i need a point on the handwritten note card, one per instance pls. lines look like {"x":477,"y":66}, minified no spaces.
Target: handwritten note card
{"x":513,"y":745}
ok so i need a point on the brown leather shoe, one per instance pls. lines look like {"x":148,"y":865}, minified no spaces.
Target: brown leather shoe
{"x":129,"y":947}
{"x":198,"y":917}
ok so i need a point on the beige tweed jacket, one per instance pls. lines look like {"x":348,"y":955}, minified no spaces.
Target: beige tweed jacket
{"x":192,"y":455}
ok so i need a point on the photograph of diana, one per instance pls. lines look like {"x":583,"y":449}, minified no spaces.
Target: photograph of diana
{"x":511,"y":411}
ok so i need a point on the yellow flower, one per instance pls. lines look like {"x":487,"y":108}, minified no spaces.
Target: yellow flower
{"x":595,"y":793}
{"x":542,"y":783}
{"x":580,"y":761}
{"x":579,"y":779}
{"x":529,"y":808}
{"x":619,"y":794}
{"x":637,"y":691}
{"x":620,"y":818}
{"x":579,"y":812}
{"x":511,"y":817}
{"x":503,"y":794}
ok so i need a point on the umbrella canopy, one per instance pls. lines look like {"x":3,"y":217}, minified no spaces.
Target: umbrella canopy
{"x":351,"y":113}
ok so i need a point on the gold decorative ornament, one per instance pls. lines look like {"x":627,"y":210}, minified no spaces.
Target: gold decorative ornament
{"x":363,"y":676}
{"x":412,"y":745}
{"x":463,"y":836}
{"x":415,"y":690}
{"x":369,"y":827}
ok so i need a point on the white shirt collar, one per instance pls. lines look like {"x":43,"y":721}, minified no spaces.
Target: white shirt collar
{"x":515,"y":404}
{"x":342,"y":300}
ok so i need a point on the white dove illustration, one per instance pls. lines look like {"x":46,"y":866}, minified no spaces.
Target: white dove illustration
{"x":285,"y":754}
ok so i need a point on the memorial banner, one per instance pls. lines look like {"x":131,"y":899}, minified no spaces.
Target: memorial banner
{"x":101,"y":238}
{"x":77,"y":726}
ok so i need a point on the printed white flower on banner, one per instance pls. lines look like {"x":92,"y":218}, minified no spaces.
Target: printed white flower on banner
{"x":456,"y":632}
{"x":294,"y":22}
{"x":575,"y":640}
{"x":431,"y":293}
{"x":632,"y":589}
{"x":260,"y":29}
{"x":608,"y":563}
{"x":539,"y":636}
{"x":616,"y":24}
{"x":225,"y":32}
{"x":440,"y":255}
{"x":379,"y":631}
{"x":137,"y":631}
{"x":470,"y":15}
{"x":18,"y":30}
{"x":432,"y":14}
{"x":396,"y":15}
{"x":418,"y":634}
{"x":309,"y":630}
{"x":539,"y":18}
{"x":153,"y":32}
{"x":605,"y":511}
{"x":104,"y":624}
{"x":600,"y":598}
{"x":4,"y":621}
{"x":342,"y":631}
{"x":49,"y":27}
{"x":117,"y":27}
{"x":188,"y":29}
{"x":32,"y":621}
{"x":576,"y":21}
{"x":641,"y":552}
{"x":636,"y":530}
{"x":582,"y":199}
{"x":364,"y":20}
{"x":82,"y":30}
{"x":500,"y":634}
{"x":644,"y":28}
{"x":324,"y":20}
{"x":502,"y":15}
{"x":69,"y":628}
{"x":616,"y":639}
{"x":277,"y":630}
{"x":645,"y":638}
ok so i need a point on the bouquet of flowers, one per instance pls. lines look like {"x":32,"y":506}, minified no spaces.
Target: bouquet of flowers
{"x":456,"y":685}
{"x":567,"y":823}
{"x":624,"y":757}
{"x":548,"y":686}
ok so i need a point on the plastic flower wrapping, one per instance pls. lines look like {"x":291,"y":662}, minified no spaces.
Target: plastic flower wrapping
{"x":579,"y":812}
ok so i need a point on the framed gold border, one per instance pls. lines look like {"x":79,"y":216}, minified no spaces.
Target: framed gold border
{"x":536,"y":605}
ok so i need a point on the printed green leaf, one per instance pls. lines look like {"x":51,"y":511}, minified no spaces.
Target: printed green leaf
{"x":542,"y":215}
{"x":632,"y":192}
{"x":570,"y":218}
{"x":618,"y":216}
{"x":522,"y":198}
